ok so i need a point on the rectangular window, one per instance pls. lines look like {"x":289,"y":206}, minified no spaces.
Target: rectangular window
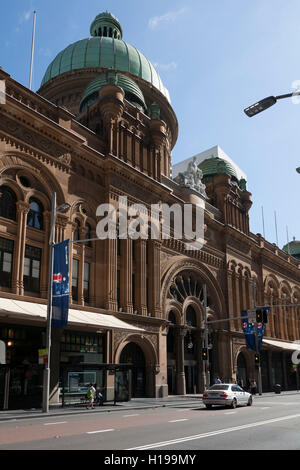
{"x":75,"y":266}
{"x":32,"y":268}
{"x":86,"y":282}
{"x":6,"y":259}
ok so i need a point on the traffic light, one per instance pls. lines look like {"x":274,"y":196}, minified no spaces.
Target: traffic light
{"x":256,"y":360}
{"x":204,"y":354}
{"x":259,"y":315}
{"x":265,"y":315}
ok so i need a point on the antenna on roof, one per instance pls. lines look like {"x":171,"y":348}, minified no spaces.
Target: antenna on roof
{"x":276,"y":228}
{"x":32,"y":49}
{"x":263,"y":221}
{"x":288,"y":241}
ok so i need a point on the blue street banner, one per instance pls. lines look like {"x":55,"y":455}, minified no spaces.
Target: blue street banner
{"x":249,"y":331}
{"x":260,"y":334}
{"x":60,"y":284}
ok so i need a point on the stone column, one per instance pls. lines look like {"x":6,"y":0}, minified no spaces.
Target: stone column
{"x":180,"y":375}
{"x":230,"y":288}
{"x":19,"y":248}
{"x":154,"y":277}
{"x":110,"y":248}
{"x":141,"y":275}
{"x":126,"y":275}
{"x":200,"y":368}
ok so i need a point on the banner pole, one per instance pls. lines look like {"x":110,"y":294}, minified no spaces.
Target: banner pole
{"x":256,"y":341}
{"x":46,"y":387}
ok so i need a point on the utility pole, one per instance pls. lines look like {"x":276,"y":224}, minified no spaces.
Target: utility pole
{"x":46,"y":388}
{"x":206,"y":362}
{"x":256,"y":341}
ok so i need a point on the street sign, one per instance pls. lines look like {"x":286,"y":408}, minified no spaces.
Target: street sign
{"x":43,"y":356}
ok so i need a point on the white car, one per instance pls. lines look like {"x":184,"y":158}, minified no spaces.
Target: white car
{"x":226,"y":395}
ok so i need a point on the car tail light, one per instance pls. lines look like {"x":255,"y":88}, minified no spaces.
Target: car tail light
{"x":224,"y":394}
{"x":204,"y":394}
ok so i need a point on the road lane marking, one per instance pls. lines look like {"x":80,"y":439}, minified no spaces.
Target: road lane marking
{"x":100,"y":430}
{"x":178,"y":420}
{"x":57,"y":422}
{"x":230,"y":413}
{"x":265,"y":407}
{"x":128,"y":416}
{"x":213,"y":433}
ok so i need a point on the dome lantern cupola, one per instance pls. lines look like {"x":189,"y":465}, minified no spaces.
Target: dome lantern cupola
{"x":106,"y":25}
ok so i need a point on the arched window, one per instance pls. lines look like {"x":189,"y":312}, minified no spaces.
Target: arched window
{"x":35,"y":214}
{"x":7,"y":203}
{"x":76,"y":235}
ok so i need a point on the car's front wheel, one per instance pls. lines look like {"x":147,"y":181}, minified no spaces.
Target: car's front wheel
{"x":249,"y":403}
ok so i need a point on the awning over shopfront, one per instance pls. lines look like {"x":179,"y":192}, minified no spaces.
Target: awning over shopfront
{"x":21,"y":309}
{"x":282,"y":345}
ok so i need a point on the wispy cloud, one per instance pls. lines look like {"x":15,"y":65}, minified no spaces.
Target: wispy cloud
{"x":166,"y":67}
{"x":168,"y":17}
{"x":24,"y":17}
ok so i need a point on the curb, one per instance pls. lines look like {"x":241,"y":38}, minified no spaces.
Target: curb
{"x":10,"y":415}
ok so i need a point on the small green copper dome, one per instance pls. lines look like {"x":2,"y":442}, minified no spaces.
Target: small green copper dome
{"x":293,"y":248}
{"x":106,"y":24}
{"x":217,"y":166}
{"x":131,"y":89}
{"x":105,"y":49}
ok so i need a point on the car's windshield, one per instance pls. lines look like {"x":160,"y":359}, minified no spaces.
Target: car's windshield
{"x":219,"y":387}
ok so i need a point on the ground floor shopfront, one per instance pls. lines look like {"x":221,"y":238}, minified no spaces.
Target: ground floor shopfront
{"x":277,"y":368}
{"x":128,"y":361}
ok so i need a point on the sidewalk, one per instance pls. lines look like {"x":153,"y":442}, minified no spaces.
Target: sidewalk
{"x":134,"y":404}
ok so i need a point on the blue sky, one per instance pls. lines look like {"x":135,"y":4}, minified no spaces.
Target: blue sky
{"x":216,"y":57}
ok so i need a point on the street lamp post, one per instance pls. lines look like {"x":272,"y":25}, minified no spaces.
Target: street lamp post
{"x":266,"y":103}
{"x":46,"y":385}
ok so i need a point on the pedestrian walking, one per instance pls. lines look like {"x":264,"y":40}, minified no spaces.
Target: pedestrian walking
{"x":99,"y":398}
{"x":218,"y":380}
{"x":253,"y":388}
{"x":91,"y":396}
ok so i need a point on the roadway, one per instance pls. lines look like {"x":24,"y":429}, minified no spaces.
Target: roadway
{"x":271,"y":423}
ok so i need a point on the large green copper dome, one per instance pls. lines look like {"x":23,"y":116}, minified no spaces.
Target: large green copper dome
{"x":104,"y":50}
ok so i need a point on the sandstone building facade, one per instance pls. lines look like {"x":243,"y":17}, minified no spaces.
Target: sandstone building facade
{"x":101,"y":127}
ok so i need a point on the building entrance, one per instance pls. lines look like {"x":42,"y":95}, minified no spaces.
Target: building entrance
{"x":133,"y":355}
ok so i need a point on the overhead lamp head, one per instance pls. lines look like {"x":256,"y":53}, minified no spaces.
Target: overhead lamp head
{"x":260,"y":106}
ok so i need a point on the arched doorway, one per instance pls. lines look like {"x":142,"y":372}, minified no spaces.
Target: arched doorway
{"x":132,"y":354}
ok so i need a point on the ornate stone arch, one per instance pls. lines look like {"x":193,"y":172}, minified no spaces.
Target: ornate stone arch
{"x":271,"y":282}
{"x":180,"y":264}
{"x":21,"y":161}
{"x":147,"y":346}
{"x":13,"y":185}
